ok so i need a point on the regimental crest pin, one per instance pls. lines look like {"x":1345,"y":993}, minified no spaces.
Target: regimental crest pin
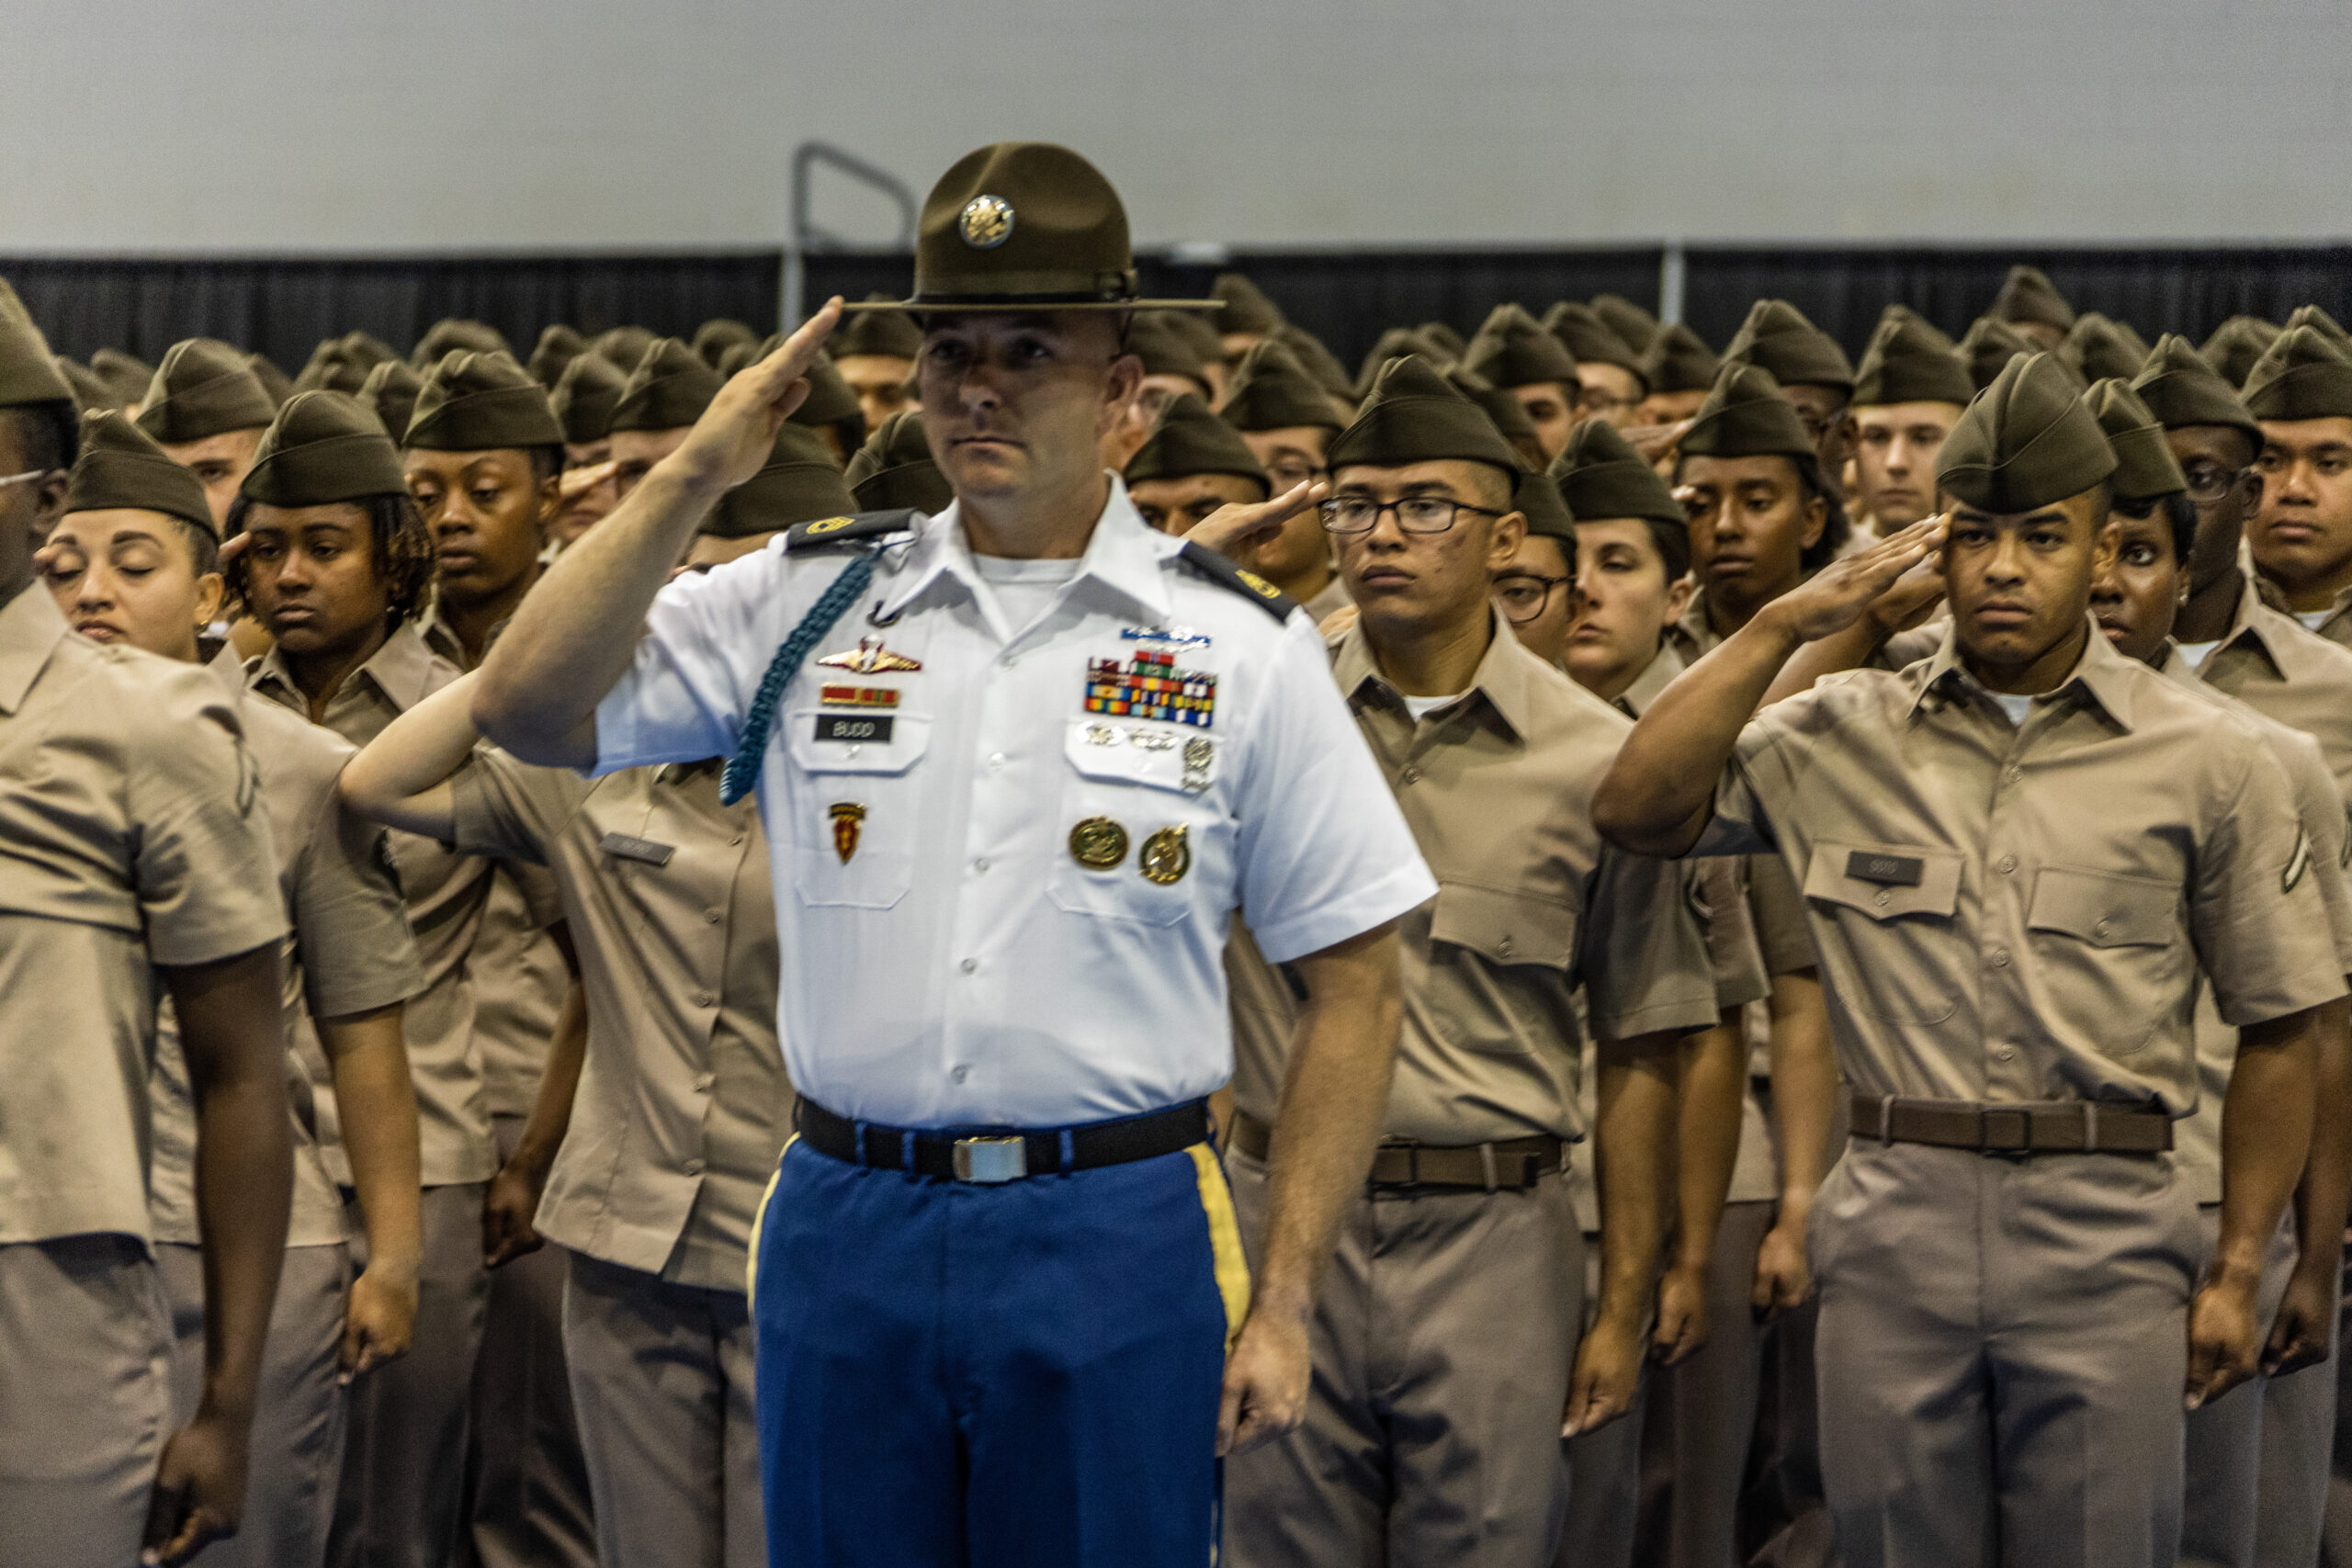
{"x":848,"y":817}
{"x":1167,"y":856}
{"x":987,"y":222}
{"x":870,"y":658}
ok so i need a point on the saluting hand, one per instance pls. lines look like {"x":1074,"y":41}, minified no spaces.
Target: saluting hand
{"x":1841,"y":593}
{"x":1236,"y":532}
{"x":731,"y":441}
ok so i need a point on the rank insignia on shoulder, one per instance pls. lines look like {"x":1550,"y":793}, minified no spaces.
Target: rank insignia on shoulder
{"x":853,"y":529}
{"x":1216,"y":569}
{"x":848,"y":818}
{"x":870,"y":658}
{"x":1150,"y":686}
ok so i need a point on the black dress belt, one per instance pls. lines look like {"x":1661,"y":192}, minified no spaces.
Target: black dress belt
{"x":989,"y":1158}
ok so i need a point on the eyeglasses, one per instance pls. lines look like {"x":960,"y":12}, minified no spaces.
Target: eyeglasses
{"x":2208,"y":483}
{"x":1415,"y":513}
{"x":25,"y":478}
{"x":1600,"y":404}
{"x":1523,"y":595}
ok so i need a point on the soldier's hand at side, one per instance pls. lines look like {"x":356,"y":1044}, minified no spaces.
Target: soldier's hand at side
{"x":1236,"y":532}
{"x":2302,"y":1334}
{"x":733,"y":439}
{"x":507,"y":1210}
{"x":1265,"y":1381}
{"x":1608,"y":1372}
{"x":1682,"y":1314}
{"x":199,"y":1494}
{"x":2223,"y":1333}
{"x":1783,"y":1277}
{"x":378,"y":1321}
{"x":1843,"y":592}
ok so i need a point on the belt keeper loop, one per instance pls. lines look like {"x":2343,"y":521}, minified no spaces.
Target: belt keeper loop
{"x":907,"y":1152}
{"x":857,"y":1143}
{"x":2090,"y":1126}
{"x":1069,"y":1153}
{"x":1486,"y":1164}
{"x":1886,"y":1121}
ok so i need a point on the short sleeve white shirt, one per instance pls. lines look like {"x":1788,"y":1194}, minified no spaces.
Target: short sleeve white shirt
{"x":1006,"y":858}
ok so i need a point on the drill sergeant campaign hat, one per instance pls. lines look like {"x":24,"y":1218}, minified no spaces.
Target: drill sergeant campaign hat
{"x":668,"y":390}
{"x":2145,"y":468}
{"x":481,"y":402}
{"x":1910,"y":362}
{"x":2026,"y":442}
{"x":1678,"y":361}
{"x":451,"y":334}
{"x":2097,"y":350}
{"x":126,"y":376}
{"x":1242,"y":307}
{"x":1627,"y":320}
{"x":1513,"y":350}
{"x":1588,"y":338}
{"x":202,"y":389}
{"x":895,"y":469}
{"x":2027,"y":295}
{"x":29,"y":372}
{"x":323,"y":448}
{"x":798,"y":484}
{"x":2179,"y":388}
{"x":889,"y":332}
{"x":1188,"y":439}
{"x":2302,"y":376}
{"x":558,"y":347}
{"x":1272,"y":392}
{"x":1601,"y":478}
{"x":1025,"y":226}
{"x":716,"y":336}
{"x":2236,"y":344}
{"x":1415,"y":416}
{"x":121,"y":466}
{"x":584,"y":397}
{"x":1988,"y":346}
{"x":1777,"y":337}
{"x":390,"y":389}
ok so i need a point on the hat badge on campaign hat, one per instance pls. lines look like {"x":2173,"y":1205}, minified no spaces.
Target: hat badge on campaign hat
{"x":987,"y":222}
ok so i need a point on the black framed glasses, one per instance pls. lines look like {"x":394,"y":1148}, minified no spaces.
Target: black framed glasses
{"x":1523,"y":595}
{"x":2209,"y":482}
{"x":1415,"y":513}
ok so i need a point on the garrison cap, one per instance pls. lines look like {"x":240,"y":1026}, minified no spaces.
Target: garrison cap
{"x":2145,"y":466}
{"x":203,"y":387}
{"x":1270,"y":391}
{"x":323,"y":448}
{"x":29,"y":374}
{"x":390,"y":389}
{"x":1777,"y":337}
{"x":1397,"y":342}
{"x":90,"y":388}
{"x":1678,"y":361}
{"x":1188,"y":439}
{"x":2096,"y":351}
{"x":1507,"y":415}
{"x":1316,"y":360}
{"x":1194,"y":327}
{"x":1446,"y":338}
{"x":1745,"y":416}
{"x":895,"y":469}
{"x":2026,"y":442}
{"x":889,"y":332}
{"x":451,"y":334}
{"x":126,"y":375}
{"x":341,"y":364}
{"x":1989,"y":345}
{"x":625,"y":346}
{"x":1587,"y":337}
{"x":2305,"y":316}
{"x":558,"y":347}
{"x":2236,"y":344}
{"x":1602,"y":478}
{"x":2027,"y":295}
{"x":1910,"y":362}
{"x":1025,"y":226}
{"x":719,"y":334}
{"x":1165,"y":351}
{"x":120,"y":466}
{"x":798,"y":484}
{"x":584,"y":397}
{"x":275,"y":382}
{"x":1537,"y":498}
{"x":2302,"y":375}
{"x":2180,"y":389}
{"x":668,"y":390}
{"x":1899,"y":312}
{"x":481,"y":402}
{"x":1627,"y":320}
{"x":1415,"y":416}
{"x":830,"y":400}
{"x":1513,"y":350}
{"x":1242,"y":307}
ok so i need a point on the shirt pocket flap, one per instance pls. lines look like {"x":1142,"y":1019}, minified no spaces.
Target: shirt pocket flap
{"x":1885,"y":882}
{"x":1505,"y":927}
{"x":2105,"y":909}
{"x":824,"y":741}
{"x":1153,"y":755}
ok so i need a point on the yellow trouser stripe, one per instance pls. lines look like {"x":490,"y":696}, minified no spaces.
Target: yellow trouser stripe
{"x":752,"y":1259}
{"x":1224,"y":1240}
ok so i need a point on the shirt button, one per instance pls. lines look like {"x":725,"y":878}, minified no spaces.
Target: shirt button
{"x":1503,"y":947}
{"x":702,"y":998}
{"x":981,"y":864}
{"x":714,"y":916}
{"x":1409,"y":774}
{"x":736,"y":839}
{"x":702,"y":1082}
{"x":959,"y":1074}
{"x":2007,"y":865}
{"x":2000,"y":958}
{"x":1010,"y":660}
{"x":996,"y":761}
{"x":2007,"y":1053}
{"x":1882,"y":898}
{"x":2015,"y":774}
{"x":2099,"y":929}
{"x":970,"y":964}
{"x":692,"y":1168}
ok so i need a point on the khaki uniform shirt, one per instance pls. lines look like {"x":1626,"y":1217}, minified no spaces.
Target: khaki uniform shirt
{"x":350,"y":952}
{"x":2337,"y":627}
{"x":683,"y":1105}
{"x":1330,"y":602}
{"x":2271,"y":664}
{"x":1692,"y":636}
{"x":2020,"y":914}
{"x":131,"y":834}
{"x":1531,"y":909}
{"x":445,"y":893}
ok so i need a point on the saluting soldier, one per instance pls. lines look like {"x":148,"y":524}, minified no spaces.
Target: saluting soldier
{"x":998,"y":1273}
{"x":1288,"y":419}
{"x":2018,"y":855}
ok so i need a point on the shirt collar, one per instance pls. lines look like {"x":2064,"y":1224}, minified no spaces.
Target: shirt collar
{"x":1124,"y":553}
{"x":400,"y":669}
{"x":1656,"y":676}
{"x":31,"y":625}
{"x":2101,"y":676}
{"x":1502,"y":677}
{"x":2175,"y":666}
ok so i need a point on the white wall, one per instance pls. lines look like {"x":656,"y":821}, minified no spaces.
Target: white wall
{"x":465,"y":125}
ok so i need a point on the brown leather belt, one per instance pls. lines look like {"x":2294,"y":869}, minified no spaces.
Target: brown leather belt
{"x":1510,"y":1167}
{"x":2066,"y":1126}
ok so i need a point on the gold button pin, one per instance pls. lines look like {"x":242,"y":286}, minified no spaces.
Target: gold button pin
{"x":1098,"y":843}
{"x":1167,"y":856}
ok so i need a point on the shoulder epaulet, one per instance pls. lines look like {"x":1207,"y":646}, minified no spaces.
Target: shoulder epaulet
{"x":1219,"y":569}
{"x":849,"y":530}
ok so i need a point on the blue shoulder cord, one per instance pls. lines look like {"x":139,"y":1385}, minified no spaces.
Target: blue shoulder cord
{"x":744,"y":768}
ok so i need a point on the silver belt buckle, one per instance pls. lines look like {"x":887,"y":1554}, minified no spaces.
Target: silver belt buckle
{"x":991,"y":1161}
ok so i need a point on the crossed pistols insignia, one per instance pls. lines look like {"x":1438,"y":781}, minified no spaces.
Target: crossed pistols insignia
{"x":848,"y":818}
{"x":869,"y":658}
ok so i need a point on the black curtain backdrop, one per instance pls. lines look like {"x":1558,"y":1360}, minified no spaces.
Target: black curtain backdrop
{"x":282,"y":307}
